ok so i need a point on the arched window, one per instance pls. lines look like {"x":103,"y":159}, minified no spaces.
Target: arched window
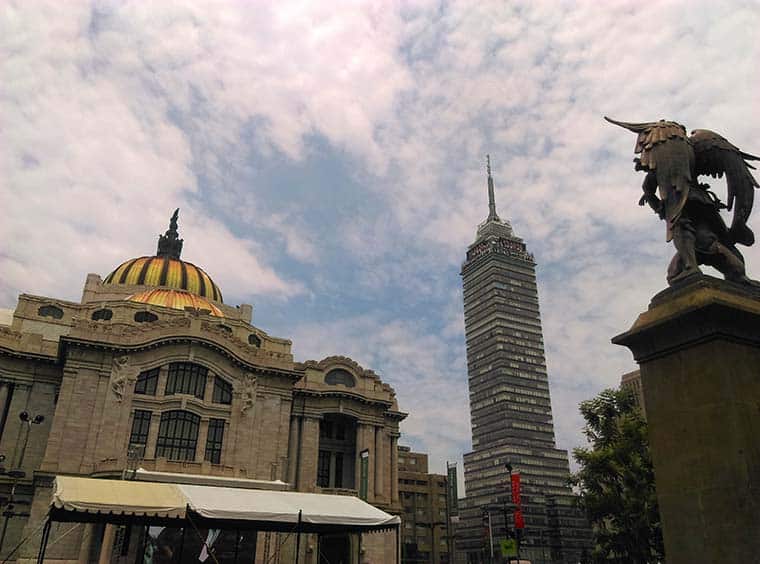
{"x":340,"y":376}
{"x":146,"y":382}
{"x":186,"y":378}
{"x":177,"y":435}
{"x":222,"y":391}
{"x":102,"y":315}
{"x":50,"y":311}
{"x":254,"y":340}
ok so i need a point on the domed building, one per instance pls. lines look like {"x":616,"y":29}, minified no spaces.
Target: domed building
{"x":152,"y":381}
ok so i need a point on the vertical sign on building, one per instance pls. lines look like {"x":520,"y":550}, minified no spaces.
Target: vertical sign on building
{"x":519,"y":521}
{"x":364,"y":479}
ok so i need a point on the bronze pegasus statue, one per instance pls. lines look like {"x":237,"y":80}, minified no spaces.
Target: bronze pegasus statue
{"x":673,"y":162}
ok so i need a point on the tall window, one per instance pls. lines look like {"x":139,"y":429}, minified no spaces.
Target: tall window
{"x":146,"y":382}
{"x":138,"y":438}
{"x":222,"y":391}
{"x":323,"y":469}
{"x":177,"y":435}
{"x":337,"y":451}
{"x":214,"y":441}
{"x":186,"y":378}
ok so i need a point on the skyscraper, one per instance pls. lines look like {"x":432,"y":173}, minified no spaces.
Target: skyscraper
{"x":510,"y":407}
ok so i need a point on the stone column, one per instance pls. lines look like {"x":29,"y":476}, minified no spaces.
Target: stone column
{"x":698,"y":346}
{"x":380,"y":461}
{"x":4,"y":390}
{"x":13,"y":435}
{"x":365,"y":440}
{"x":368,"y":432}
{"x":200,"y":446}
{"x":293,"y":446}
{"x":106,"y":547}
{"x":155,"y":423}
{"x":394,"y":468}
{"x":309,"y":444}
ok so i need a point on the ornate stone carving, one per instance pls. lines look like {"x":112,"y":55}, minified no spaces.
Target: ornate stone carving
{"x":119,"y":376}
{"x":249,"y":392}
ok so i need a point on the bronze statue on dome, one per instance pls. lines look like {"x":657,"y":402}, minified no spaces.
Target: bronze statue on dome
{"x":169,"y":244}
{"x":673,"y":162}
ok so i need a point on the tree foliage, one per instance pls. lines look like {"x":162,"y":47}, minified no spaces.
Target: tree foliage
{"x":616,"y":481}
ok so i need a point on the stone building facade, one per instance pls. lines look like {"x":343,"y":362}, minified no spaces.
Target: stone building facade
{"x":424,"y":536}
{"x":152,"y":369}
{"x":632,"y":381}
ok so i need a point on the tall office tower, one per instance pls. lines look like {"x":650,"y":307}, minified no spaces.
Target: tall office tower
{"x":510,"y":408}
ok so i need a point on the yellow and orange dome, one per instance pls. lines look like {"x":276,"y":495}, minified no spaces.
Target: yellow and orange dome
{"x":166,"y":272}
{"x":175,"y":299}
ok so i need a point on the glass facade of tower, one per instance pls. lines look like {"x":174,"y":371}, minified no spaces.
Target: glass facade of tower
{"x":510,"y":407}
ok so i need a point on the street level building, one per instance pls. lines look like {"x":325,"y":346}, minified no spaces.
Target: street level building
{"x":152,"y":376}
{"x":425,"y":537}
{"x":510,"y":407}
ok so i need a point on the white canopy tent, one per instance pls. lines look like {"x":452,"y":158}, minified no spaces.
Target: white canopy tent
{"x":89,"y":500}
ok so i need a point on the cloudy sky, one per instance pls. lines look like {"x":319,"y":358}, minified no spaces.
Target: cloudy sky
{"x":328,"y":160}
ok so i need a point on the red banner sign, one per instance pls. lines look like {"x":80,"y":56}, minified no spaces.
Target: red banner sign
{"x":519,"y":522}
{"x":516,"y":489}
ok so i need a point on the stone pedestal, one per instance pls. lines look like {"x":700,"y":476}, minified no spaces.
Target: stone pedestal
{"x":698,"y":346}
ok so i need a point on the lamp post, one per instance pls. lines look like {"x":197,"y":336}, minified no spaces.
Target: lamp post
{"x":18,"y":473}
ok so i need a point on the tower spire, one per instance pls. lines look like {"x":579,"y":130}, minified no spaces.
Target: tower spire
{"x":492,"y":215}
{"x":169,"y":244}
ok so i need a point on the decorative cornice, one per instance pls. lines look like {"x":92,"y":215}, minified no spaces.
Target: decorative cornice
{"x":348,"y":363}
{"x":14,"y":344}
{"x":121,"y":337}
{"x":700,"y":310}
{"x":307,"y":392}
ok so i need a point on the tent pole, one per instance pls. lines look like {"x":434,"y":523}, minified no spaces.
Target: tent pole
{"x":298,"y":536}
{"x":44,"y":542}
{"x":398,"y":544}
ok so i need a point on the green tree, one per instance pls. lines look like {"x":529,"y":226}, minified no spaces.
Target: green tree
{"x":616,"y":481}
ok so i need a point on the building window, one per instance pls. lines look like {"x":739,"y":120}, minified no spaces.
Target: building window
{"x":214,"y":441}
{"x":222,"y":391}
{"x":186,"y":378}
{"x":146,"y":382}
{"x":325,"y":429}
{"x":177,"y":435}
{"x":337,"y":451}
{"x":340,"y":376}
{"x":102,"y":315}
{"x":138,"y":438}
{"x":338,"y":470}
{"x":323,"y":469}
{"x":254,"y":340}
{"x":50,"y":311}
{"x":145,"y":317}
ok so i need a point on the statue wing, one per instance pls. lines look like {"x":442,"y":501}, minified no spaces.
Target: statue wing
{"x":714,"y":155}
